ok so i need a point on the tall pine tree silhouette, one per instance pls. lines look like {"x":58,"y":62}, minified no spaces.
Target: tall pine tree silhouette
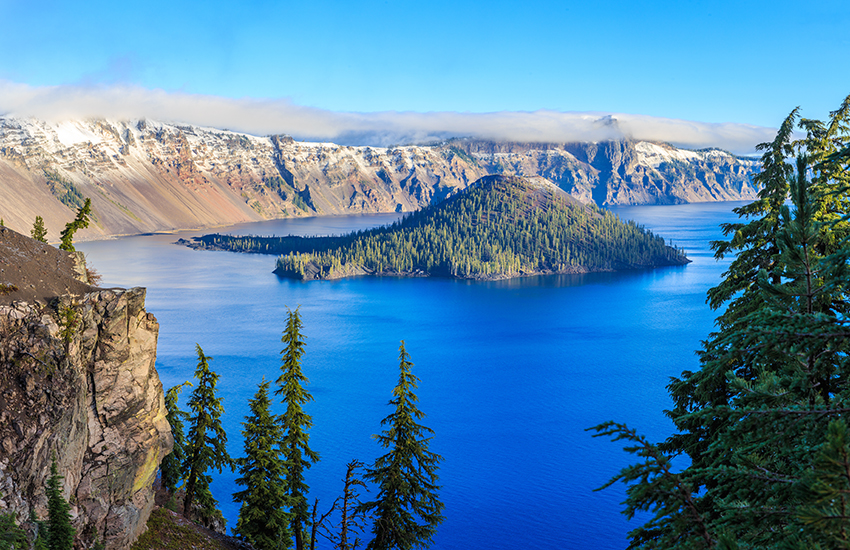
{"x":60,"y":533}
{"x":263,"y":517}
{"x":295,"y":422}
{"x":172,"y":465}
{"x":407,"y":510}
{"x":206,"y":442}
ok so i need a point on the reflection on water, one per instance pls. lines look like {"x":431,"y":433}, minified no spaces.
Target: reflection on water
{"x":512,"y":371}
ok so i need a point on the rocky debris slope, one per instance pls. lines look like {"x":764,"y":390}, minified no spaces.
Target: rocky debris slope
{"x":147,"y":176}
{"x":77,"y":380}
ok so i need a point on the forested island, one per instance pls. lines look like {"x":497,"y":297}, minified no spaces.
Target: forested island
{"x":498,"y":228}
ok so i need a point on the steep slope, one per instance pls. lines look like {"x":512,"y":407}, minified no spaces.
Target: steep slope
{"x":77,"y":380}
{"x":147,"y":176}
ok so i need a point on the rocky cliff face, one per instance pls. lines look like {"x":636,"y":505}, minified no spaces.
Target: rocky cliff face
{"x":147,"y":176}
{"x":77,"y":380}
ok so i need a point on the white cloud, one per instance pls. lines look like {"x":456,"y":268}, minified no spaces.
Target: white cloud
{"x":281,"y":116}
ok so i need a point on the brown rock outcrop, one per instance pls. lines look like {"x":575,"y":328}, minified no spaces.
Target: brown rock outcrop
{"x":147,"y":176}
{"x":77,"y":380}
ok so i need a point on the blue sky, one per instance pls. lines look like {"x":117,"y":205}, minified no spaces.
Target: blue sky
{"x":745,"y":62}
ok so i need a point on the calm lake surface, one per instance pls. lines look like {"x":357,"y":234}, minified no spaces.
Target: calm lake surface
{"x":511,"y":372}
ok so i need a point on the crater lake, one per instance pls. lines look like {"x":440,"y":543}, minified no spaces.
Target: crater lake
{"x":512,"y":372}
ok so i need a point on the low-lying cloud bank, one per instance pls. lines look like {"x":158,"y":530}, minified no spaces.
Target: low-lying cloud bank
{"x":281,"y":116}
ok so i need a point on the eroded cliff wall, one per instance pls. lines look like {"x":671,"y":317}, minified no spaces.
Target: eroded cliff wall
{"x":147,"y":176}
{"x":77,"y":379}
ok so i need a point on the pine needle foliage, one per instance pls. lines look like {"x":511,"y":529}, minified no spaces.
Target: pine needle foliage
{"x":172,"y":465}
{"x":263,"y":517}
{"x":38,"y":231}
{"x":295,"y":422}
{"x":206,"y":441}
{"x":79,"y":222}
{"x":763,"y":421}
{"x":12,"y":536}
{"x":60,"y":533}
{"x":408,"y":509}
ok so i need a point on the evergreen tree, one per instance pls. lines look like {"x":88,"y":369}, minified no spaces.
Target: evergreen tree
{"x":60,"y":533}
{"x":762,"y":420}
{"x":172,"y":465}
{"x":12,"y":536}
{"x":38,"y":232}
{"x":80,"y":222}
{"x":206,"y":442}
{"x":407,"y":510}
{"x":295,"y":422}
{"x":40,"y":527}
{"x":263,"y":519}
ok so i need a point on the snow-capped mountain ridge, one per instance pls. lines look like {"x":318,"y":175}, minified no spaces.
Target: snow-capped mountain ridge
{"x":145,"y":175}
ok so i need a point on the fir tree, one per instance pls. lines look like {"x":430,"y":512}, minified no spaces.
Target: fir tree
{"x":40,"y":528}
{"x":38,"y":232}
{"x":12,"y":536}
{"x":172,"y":465}
{"x":263,"y":519}
{"x":80,"y":222}
{"x":60,"y":533}
{"x":206,"y":441}
{"x":407,"y":510}
{"x":761,"y":421}
{"x":295,"y":422}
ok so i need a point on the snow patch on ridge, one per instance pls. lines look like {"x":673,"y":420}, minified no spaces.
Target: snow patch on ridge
{"x":654,"y":153}
{"x":72,"y":132}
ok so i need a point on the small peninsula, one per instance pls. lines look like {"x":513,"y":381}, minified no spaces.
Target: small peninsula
{"x":500,"y":227}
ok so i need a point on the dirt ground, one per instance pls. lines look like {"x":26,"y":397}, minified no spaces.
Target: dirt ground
{"x":34,"y":271}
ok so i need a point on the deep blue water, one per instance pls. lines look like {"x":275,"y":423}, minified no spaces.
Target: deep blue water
{"x":511,"y":372}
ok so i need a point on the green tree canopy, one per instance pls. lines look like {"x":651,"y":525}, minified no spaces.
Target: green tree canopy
{"x":12,"y":536}
{"x":408,"y":509}
{"x":763,"y":419}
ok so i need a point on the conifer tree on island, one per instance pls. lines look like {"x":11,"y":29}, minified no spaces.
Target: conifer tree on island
{"x":263,"y":518}
{"x":295,"y":422}
{"x":763,"y":420}
{"x":206,"y":441}
{"x":60,"y":533}
{"x":407,"y":510}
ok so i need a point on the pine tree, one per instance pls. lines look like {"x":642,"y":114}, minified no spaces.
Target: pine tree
{"x":761,"y":421}
{"x":12,"y":536}
{"x":263,"y":519}
{"x":295,"y":422}
{"x":40,"y":528}
{"x":172,"y":464}
{"x":80,"y":222}
{"x":206,"y":442}
{"x":60,"y":533}
{"x":407,"y":510}
{"x":38,"y":232}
